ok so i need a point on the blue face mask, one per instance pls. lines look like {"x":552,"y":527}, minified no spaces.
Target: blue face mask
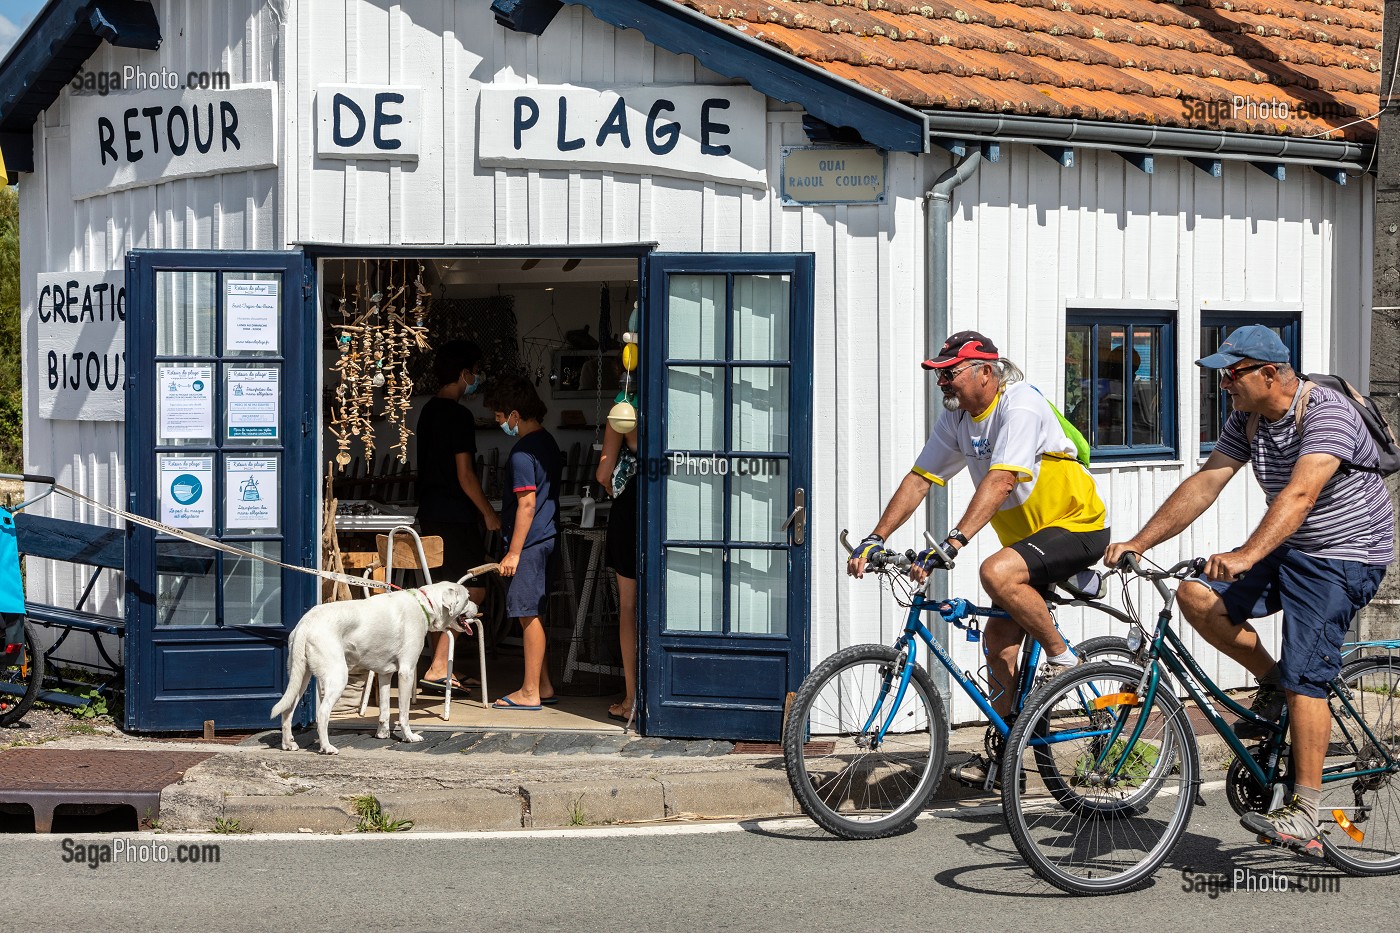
{"x":511,"y":431}
{"x":477,"y":380}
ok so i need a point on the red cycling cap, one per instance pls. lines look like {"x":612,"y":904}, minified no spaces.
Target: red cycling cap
{"x":964,"y":345}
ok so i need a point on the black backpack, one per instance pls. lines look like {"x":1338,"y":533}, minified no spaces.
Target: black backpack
{"x":1386,"y":444}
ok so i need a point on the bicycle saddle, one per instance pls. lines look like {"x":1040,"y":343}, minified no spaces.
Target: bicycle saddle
{"x":1086,"y":584}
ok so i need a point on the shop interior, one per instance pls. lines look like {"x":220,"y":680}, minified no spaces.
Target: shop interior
{"x":562,"y":323}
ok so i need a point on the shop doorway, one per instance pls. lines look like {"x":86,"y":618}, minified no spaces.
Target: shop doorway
{"x":559,"y":320}
{"x":728,"y":359}
{"x":218,"y":419}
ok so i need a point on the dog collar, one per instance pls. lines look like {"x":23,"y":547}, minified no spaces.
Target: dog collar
{"x":422,"y":608}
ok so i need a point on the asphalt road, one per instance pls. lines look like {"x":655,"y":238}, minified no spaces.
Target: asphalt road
{"x":957,"y":870}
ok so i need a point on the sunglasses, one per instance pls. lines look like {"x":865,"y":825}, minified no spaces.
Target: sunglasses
{"x":1233,"y":373}
{"x":946,"y":378}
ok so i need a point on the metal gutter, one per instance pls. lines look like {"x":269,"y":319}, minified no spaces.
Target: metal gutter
{"x":1157,"y":140}
{"x":939,"y":213}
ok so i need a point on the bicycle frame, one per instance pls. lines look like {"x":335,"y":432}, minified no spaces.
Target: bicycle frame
{"x":1168,"y":649}
{"x":915,"y":631}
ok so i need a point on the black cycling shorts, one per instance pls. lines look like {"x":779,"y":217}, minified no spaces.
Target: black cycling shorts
{"x":1055,"y":554}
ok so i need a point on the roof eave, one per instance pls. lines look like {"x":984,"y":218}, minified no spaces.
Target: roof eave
{"x":879,"y":120}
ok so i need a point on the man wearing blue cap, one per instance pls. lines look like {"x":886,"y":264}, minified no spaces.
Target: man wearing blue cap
{"x":1318,"y":555}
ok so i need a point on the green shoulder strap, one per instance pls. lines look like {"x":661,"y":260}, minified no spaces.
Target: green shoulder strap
{"x":1081,"y":446}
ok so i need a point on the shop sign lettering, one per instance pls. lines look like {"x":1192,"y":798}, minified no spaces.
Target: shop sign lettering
{"x":75,"y":335}
{"x":368,"y":122}
{"x":687,"y":131}
{"x":131,"y":140}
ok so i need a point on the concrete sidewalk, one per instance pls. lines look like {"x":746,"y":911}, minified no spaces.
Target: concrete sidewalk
{"x":475,"y":781}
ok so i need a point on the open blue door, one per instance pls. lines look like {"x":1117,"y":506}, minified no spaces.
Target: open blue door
{"x":220,"y":439}
{"x":727,"y":437}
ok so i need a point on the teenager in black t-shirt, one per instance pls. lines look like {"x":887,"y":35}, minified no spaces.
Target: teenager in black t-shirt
{"x":451,"y":503}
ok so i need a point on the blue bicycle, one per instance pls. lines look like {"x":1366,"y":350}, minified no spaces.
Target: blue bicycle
{"x":866,"y":735}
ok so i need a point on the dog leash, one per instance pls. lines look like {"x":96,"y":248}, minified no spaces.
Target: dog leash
{"x":210,"y":543}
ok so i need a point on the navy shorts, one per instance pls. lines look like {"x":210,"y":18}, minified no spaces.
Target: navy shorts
{"x":527,"y":592}
{"x":1318,"y":597}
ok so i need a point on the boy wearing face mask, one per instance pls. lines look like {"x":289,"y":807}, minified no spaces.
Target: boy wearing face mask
{"x":529,"y":507}
{"x":451,"y":503}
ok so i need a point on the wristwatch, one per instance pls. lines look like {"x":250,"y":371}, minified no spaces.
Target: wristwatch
{"x":957,"y":536}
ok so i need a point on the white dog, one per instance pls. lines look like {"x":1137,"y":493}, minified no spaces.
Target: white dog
{"x":384,"y":634}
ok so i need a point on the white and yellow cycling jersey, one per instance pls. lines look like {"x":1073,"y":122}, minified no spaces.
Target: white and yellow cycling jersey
{"x":1021,"y":434}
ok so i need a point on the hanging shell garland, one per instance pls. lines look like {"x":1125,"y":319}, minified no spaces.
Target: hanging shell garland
{"x":375,"y":343}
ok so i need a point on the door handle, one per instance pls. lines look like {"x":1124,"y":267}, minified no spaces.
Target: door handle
{"x":797,"y":520}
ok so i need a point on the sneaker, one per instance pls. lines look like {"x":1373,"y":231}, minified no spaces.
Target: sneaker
{"x":973,"y":773}
{"x":1288,"y":826}
{"x":1049,"y":672}
{"x":1268,"y":704}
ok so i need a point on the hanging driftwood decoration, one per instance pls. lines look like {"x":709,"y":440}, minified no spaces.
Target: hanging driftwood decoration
{"x":375,"y":343}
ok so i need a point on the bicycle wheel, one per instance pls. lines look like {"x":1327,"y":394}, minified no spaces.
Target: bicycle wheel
{"x":1370,"y":803}
{"x":1119,"y":810}
{"x":1104,"y":648}
{"x":848,"y":779}
{"x":21,"y":676}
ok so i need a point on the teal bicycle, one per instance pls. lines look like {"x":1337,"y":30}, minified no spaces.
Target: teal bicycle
{"x":1120,"y":771}
{"x":866,"y":735}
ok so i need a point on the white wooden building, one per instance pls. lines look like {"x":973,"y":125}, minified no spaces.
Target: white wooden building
{"x":1169,"y":232}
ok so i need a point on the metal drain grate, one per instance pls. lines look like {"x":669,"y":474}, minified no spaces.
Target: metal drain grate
{"x":776,"y":748}
{"x":43,"y":779}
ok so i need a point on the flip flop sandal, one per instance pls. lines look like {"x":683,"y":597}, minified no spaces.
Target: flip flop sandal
{"x":508,"y":703}
{"x":440,"y":685}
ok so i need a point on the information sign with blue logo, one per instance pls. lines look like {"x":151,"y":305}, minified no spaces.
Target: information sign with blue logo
{"x":185,"y":491}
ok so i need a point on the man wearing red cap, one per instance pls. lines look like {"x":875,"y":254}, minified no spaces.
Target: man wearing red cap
{"x":1032,"y":490}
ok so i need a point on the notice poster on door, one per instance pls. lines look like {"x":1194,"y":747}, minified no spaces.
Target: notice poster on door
{"x":186,"y":402}
{"x":250,"y":492}
{"x":250,"y":316}
{"x":252,"y":403}
{"x":187,"y":491}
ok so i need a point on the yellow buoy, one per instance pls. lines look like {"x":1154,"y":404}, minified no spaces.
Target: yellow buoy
{"x":623,"y":418}
{"x":629,"y":357}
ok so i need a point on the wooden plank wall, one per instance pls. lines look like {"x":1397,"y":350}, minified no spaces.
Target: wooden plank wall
{"x":233,"y":211}
{"x":1029,"y":239}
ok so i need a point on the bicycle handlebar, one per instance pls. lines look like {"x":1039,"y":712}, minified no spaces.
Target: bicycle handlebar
{"x":1178,"y":571}
{"x":30,"y":478}
{"x":880,"y":560}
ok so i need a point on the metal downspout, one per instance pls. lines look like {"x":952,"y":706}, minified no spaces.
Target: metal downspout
{"x":940,"y":200}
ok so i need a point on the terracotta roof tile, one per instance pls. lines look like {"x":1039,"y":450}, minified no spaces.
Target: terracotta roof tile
{"x":1161,"y":62}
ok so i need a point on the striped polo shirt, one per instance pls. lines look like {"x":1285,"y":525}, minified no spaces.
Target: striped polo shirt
{"x":1353,"y":518}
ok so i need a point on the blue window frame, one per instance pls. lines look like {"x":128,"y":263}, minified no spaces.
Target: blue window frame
{"x":1120,"y":382}
{"x":1215,"y":327}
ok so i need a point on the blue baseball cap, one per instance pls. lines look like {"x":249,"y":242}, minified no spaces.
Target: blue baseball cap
{"x":1251,"y":342}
